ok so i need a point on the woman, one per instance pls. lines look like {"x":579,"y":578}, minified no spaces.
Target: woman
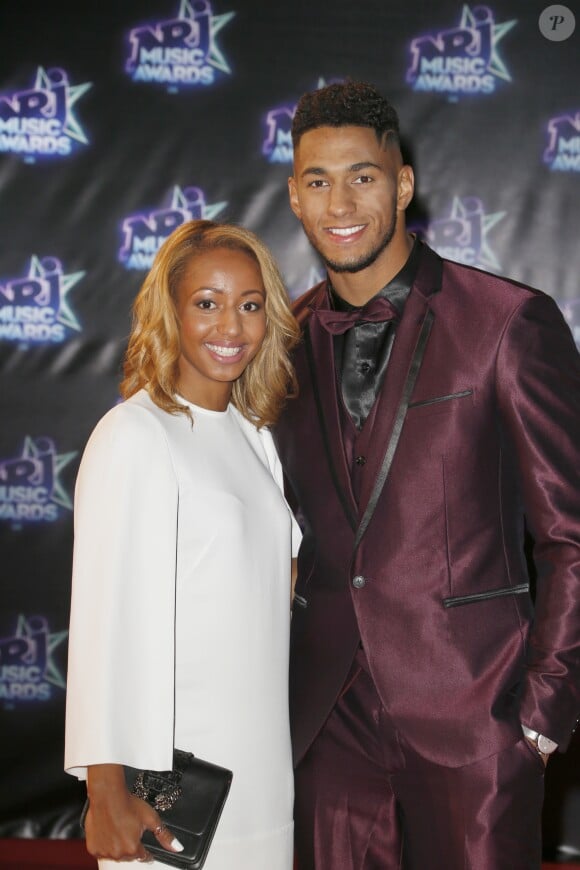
{"x":183,"y":542}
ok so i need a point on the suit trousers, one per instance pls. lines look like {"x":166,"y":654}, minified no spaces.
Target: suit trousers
{"x":366,"y":801}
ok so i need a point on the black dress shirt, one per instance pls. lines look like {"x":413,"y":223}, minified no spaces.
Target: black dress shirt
{"x":362,"y":354}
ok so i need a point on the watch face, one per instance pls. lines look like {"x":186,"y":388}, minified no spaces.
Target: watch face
{"x":546,"y":745}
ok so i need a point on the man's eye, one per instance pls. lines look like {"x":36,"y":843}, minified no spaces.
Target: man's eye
{"x":317,"y":182}
{"x":363,"y":179}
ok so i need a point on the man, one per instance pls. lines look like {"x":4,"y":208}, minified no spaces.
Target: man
{"x":438,"y":417}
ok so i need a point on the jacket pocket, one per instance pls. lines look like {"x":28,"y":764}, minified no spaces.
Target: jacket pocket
{"x":459,"y":600}
{"x":306,"y":563}
{"x":436,"y":400}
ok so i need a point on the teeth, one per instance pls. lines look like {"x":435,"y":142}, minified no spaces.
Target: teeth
{"x":345,"y":231}
{"x":224,"y":351}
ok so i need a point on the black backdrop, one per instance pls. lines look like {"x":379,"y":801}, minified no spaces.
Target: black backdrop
{"x":119,"y":120}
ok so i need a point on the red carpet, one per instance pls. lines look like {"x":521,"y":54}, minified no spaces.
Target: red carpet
{"x":45,"y":855}
{"x":26,"y":854}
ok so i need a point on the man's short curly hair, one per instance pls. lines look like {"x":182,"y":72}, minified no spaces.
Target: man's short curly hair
{"x":343,"y":104}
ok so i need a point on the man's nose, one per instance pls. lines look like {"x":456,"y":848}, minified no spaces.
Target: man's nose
{"x":341,"y":200}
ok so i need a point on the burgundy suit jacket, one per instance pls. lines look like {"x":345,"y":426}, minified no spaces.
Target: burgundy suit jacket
{"x":479,"y":421}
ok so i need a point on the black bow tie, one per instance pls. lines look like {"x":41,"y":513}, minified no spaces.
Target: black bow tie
{"x":379,"y":309}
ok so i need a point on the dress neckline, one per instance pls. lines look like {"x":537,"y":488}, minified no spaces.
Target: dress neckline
{"x":200,"y":410}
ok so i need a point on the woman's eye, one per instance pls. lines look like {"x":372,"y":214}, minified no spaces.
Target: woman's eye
{"x":206,"y":304}
{"x":251,"y":306}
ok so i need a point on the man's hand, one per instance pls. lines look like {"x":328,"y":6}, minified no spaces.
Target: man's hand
{"x":543,"y":755}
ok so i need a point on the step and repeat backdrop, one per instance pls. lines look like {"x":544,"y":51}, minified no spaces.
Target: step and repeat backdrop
{"x":121,"y":119}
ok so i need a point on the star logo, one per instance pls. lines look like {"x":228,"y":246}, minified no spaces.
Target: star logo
{"x":181,"y":200}
{"x":144,"y":233}
{"x":179,"y":52}
{"x":214,"y":56}
{"x":277,"y":144}
{"x":463,"y":235}
{"x":57,"y":79}
{"x":496,"y":66}
{"x":36,"y":634}
{"x":66,"y":282}
{"x":38,"y":451}
{"x":40,"y":121}
{"x":463,"y":59}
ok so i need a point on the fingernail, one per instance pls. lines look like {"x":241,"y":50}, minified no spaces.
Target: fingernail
{"x":175,"y":844}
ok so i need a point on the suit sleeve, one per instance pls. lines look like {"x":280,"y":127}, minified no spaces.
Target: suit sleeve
{"x":538,"y":378}
{"x":121,"y":651}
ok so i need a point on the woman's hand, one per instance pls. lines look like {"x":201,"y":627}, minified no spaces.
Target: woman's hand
{"x":116,"y":819}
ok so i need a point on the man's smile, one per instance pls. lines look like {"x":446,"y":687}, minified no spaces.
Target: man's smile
{"x":345,"y":232}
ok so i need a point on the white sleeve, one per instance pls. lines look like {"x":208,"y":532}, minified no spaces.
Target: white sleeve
{"x":120,"y":687}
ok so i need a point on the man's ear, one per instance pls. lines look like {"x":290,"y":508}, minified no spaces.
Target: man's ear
{"x":294,"y":204}
{"x":405,"y":186}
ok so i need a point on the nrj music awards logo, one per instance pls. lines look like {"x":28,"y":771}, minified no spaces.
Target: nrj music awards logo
{"x":563,"y":151}
{"x":40,"y":121}
{"x":27,"y":669}
{"x":463,"y":59}
{"x":144,"y":233}
{"x":277,"y":143}
{"x":277,"y":146}
{"x":180,"y":51}
{"x":35,"y":309}
{"x":30,"y":489}
{"x":462,"y":235}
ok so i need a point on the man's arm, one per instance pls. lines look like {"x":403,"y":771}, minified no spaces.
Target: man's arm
{"x":538,"y":383}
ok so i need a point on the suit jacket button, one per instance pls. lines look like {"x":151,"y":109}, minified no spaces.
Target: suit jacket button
{"x":359,"y":581}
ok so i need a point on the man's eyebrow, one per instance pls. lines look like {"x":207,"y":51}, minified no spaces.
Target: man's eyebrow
{"x":313,"y":170}
{"x":354,"y":167}
{"x":366,"y":164}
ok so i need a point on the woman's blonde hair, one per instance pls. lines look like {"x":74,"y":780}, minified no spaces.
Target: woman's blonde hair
{"x":153,"y":351}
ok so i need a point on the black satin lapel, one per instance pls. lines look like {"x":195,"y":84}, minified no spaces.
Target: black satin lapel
{"x":412,"y":375}
{"x":427,"y":284}
{"x":329,"y":420}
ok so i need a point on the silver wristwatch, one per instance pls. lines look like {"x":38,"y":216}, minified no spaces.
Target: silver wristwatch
{"x":543,"y":744}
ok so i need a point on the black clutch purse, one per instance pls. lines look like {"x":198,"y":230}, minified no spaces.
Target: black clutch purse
{"x":190,"y":799}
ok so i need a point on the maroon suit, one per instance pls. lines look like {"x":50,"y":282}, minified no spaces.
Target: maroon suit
{"x":475,"y":433}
